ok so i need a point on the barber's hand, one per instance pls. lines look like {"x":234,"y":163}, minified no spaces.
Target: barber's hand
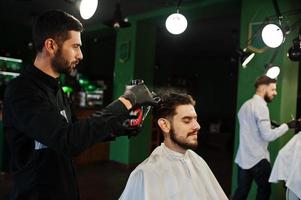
{"x":292,"y":124}
{"x":122,"y":130}
{"x":128,"y":131}
{"x":138,"y":95}
{"x":274,"y":124}
{"x":298,"y":126}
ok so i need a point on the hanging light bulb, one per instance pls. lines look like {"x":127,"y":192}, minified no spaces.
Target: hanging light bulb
{"x":245,"y":56}
{"x":272,"y":35}
{"x":272,"y":71}
{"x":118,"y":21}
{"x":87,"y":8}
{"x":176,"y":23}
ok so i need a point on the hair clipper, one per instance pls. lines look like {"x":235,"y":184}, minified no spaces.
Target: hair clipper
{"x":137,"y":115}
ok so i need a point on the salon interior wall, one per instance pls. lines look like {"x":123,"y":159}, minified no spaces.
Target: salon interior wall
{"x":97,"y":47}
{"x":134,"y":59}
{"x":141,"y":64}
{"x":284,"y":105}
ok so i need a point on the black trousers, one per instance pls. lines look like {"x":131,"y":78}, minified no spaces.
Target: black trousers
{"x":260,"y":173}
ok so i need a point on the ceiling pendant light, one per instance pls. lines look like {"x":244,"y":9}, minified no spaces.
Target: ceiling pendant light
{"x":272,"y":71}
{"x":176,"y":23}
{"x":87,"y":8}
{"x":245,"y":56}
{"x":272,"y":35}
{"x":118,"y":21}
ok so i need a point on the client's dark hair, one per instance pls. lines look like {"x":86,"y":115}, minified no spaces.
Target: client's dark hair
{"x":169,"y":101}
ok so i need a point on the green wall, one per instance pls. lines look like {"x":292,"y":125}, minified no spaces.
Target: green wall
{"x":285,"y":103}
{"x":141,"y":39}
{"x":134,"y":60}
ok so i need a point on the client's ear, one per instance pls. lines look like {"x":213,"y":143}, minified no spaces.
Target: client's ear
{"x":164,"y":124}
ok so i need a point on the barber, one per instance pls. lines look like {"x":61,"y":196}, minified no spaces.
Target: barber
{"x":38,"y":122}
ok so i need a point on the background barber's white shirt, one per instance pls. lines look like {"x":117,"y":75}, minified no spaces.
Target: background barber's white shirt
{"x":255,"y":132}
{"x":287,"y":166}
{"x":169,"y":175}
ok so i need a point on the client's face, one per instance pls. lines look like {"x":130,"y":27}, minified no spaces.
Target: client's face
{"x":184,"y":127}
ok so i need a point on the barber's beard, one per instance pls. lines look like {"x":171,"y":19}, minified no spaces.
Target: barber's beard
{"x":60,"y":64}
{"x":181,"y":142}
{"x":267,"y":98}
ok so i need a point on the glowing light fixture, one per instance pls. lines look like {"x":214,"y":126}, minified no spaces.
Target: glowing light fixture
{"x":272,"y":35}
{"x":245,"y":57}
{"x":248,"y":57}
{"x":87,"y":8}
{"x":272,"y":71}
{"x":11,"y":59}
{"x":176,"y":23}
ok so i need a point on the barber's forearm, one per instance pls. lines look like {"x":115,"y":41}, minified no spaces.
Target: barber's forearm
{"x":125,"y":102}
{"x":270,"y":134}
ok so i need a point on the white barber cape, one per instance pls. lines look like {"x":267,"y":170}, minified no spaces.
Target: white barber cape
{"x":287,"y":166}
{"x":169,"y":175}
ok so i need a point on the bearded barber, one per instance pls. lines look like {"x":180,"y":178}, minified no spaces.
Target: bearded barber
{"x":255,"y":134}
{"x":42,"y":136}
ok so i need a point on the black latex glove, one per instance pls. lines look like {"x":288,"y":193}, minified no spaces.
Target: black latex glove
{"x":133,"y":125}
{"x":128,"y":130}
{"x":124,"y":132}
{"x":298,"y":126}
{"x":122,"y":128}
{"x":139,"y":95}
{"x":292,"y":124}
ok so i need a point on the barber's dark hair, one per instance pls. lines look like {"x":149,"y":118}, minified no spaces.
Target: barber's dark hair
{"x":169,"y":101}
{"x":264,"y":80}
{"x":54,"y":24}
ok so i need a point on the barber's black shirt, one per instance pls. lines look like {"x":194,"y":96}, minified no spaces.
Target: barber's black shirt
{"x":42,"y":137}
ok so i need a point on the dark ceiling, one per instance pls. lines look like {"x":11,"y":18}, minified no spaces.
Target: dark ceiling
{"x":215,"y":32}
{"x":24,"y":11}
{"x":220,"y":26}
